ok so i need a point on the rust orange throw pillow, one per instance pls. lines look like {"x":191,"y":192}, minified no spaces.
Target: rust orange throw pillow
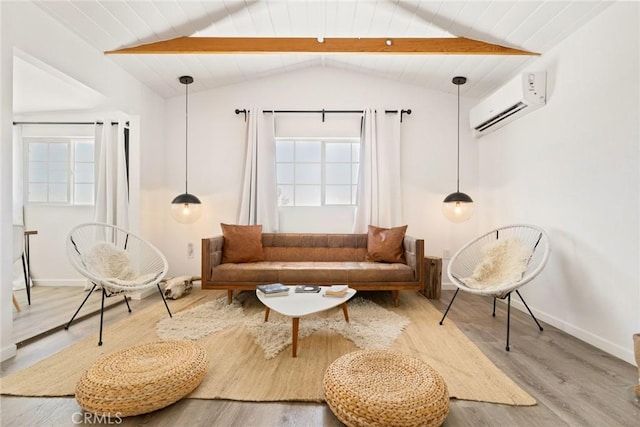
{"x":386,"y":244}
{"x":242,"y":243}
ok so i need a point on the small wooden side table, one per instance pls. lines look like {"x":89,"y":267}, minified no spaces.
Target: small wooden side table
{"x":432,"y":277}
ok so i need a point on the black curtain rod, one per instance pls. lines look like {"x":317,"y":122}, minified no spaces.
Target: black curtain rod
{"x":65,"y":123}
{"x":323,"y":112}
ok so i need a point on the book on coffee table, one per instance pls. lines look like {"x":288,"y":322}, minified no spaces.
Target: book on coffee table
{"x":307,"y":289}
{"x":273,"y":289}
{"x":336,"y":291}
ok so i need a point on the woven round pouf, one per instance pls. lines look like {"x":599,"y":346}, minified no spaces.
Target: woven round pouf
{"x":385,"y":388}
{"x":142,"y":379}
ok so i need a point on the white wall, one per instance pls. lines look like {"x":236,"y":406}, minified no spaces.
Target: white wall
{"x":26,"y":28}
{"x":216,"y":151}
{"x":573,"y":168}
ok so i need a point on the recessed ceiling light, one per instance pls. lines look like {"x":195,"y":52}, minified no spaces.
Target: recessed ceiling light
{"x":389,"y":42}
{"x":320,"y":39}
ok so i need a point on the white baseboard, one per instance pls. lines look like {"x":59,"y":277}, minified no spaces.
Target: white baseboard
{"x":586,"y":336}
{"x":144,"y":293}
{"x":612,"y":348}
{"x":8,"y":352}
{"x":60,"y":282}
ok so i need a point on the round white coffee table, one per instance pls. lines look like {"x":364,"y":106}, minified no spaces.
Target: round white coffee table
{"x":297,"y":305}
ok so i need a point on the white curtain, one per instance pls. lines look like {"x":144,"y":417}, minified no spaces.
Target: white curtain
{"x":379,"y":194}
{"x":258,"y":203}
{"x":112,"y":192}
{"x":18,"y":176}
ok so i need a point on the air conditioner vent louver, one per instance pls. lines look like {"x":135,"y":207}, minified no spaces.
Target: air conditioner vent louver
{"x":520,"y":96}
{"x":501,"y":116}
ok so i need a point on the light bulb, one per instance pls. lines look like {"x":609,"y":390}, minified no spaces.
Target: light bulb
{"x":186,"y":213}
{"x":457,"y":211}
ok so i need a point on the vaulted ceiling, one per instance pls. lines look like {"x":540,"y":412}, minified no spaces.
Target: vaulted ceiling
{"x":535,"y":26}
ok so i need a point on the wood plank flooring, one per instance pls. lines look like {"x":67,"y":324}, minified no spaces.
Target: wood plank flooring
{"x":574,"y":383}
{"x":51,"y":308}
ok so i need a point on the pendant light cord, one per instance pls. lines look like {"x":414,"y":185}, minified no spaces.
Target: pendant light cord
{"x":186,"y":138}
{"x":458,"y":173}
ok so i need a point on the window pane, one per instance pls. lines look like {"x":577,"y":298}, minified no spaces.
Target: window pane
{"x":285,"y":173}
{"x":354,"y":194}
{"x":338,"y":195}
{"x":83,"y":194}
{"x":308,"y":195}
{"x":284,"y":151}
{"x":37,"y":192}
{"x":84,"y":151}
{"x":58,"y":152}
{"x":308,"y":151}
{"x":58,"y":172}
{"x":308,"y":174}
{"x":354,"y":172}
{"x":84,"y":172}
{"x":338,"y":152}
{"x":38,"y":172}
{"x":355,"y":152}
{"x":338,"y":173}
{"x":38,"y":151}
{"x":58,"y":193}
{"x":285,"y":195}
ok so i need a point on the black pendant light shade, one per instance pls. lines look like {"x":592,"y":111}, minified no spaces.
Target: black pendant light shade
{"x":186,"y":208}
{"x":458,"y":206}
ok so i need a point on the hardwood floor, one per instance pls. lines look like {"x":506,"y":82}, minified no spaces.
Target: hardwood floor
{"x":574,"y":383}
{"x":51,"y":308}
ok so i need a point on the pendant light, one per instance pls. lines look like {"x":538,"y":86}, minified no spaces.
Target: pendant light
{"x":186,"y":208}
{"x":458,"y":207}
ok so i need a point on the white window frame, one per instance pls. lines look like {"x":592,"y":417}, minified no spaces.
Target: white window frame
{"x":323,"y":163}
{"x":70,"y":170}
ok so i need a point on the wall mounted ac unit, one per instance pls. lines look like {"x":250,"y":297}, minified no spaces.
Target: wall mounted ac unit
{"x":525,"y":93}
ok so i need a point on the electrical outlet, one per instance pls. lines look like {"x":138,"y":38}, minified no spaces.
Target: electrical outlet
{"x":446,"y":253}
{"x":189,"y":250}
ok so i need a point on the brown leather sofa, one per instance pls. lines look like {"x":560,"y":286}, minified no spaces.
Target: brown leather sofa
{"x":321,"y":259}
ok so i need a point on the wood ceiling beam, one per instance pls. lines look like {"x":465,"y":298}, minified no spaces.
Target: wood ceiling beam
{"x":248,"y":45}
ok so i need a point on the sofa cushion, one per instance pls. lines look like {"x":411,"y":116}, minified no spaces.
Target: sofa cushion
{"x":313,"y":272}
{"x":242,"y":243}
{"x":386,"y":244}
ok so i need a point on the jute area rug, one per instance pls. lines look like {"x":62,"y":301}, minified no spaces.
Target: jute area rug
{"x":241,"y":370}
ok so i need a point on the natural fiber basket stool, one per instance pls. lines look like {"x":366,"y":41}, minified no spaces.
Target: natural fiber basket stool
{"x":385,"y":388}
{"x":142,"y":379}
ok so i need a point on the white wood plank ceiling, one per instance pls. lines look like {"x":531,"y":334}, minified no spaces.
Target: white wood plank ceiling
{"x":530,"y":25}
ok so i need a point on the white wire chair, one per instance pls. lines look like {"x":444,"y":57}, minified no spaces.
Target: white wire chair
{"x":115,"y":260}
{"x":464,"y":262}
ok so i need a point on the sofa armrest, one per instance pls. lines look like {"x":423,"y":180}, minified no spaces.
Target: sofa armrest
{"x":211,"y":255}
{"x":414,"y":254}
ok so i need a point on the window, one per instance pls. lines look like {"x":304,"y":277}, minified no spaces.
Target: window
{"x":60,"y":170}
{"x":317,"y":172}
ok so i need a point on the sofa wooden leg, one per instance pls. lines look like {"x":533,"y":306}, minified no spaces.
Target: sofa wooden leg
{"x":396,"y":298}
{"x":229,"y":296}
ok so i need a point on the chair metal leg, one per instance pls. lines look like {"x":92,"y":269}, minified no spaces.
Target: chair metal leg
{"x":448,"y":307}
{"x":126,"y":301}
{"x":164,"y":300}
{"x":530,"y":312}
{"x":494,"y":307}
{"x":26,"y":279}
{"x":508,"y":318}
{"x":104,"y":293}
{"x":78,"y":310}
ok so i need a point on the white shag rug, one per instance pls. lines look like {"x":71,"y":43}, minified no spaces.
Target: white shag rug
{"x":370,"y":326}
